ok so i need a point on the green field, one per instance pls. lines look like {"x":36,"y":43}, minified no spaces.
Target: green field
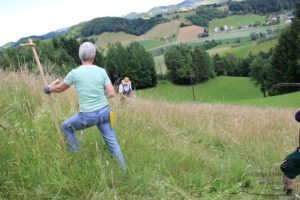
{"x":181,"y":15}
{"x":167,"y":29}
{"x":235,"y":21}
{"x":223,"y":89}
{"x":104,"y":39}
{"x":243,"y":49}
{"x":287,"y":100}
{"x":160,"y":65}
{"x":219,"y":89}
{"x":149,"y":44}
{"x":239,"y":51}
{"x":149,"y":40}
{"x":264,"y":46}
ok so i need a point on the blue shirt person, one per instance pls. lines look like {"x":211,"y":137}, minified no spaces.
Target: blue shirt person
{"x":125,"y":89}
{"x":93,"y":88}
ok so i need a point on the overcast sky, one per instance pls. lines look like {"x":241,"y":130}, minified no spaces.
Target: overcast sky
{"x":21,"y":18}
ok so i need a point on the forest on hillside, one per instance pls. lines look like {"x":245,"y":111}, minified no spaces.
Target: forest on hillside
{"x":261,"y":7}
{"x":116,"y":24}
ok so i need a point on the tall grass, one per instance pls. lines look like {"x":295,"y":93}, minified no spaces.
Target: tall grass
{"x":173,"y":151}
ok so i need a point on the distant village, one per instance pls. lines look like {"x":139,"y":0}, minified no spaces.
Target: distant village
{"x":200,"y":32}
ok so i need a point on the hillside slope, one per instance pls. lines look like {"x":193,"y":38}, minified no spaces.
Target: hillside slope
{"x":183,"y":6}
{"x":165,"y":31}
{"x":173,"y":151}
{"x":104,"y":39}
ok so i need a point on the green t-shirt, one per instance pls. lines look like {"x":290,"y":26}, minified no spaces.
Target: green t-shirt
{"x":89,"y":82}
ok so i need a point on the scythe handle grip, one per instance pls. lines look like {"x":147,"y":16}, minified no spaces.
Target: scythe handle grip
{"x":27,"y":44}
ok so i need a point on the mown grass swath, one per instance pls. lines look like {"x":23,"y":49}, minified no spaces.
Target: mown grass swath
{"x":173,"y":151}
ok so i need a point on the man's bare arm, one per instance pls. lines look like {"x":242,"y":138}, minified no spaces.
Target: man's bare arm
{"x":109,"y":91}
{"x":60,"y":87}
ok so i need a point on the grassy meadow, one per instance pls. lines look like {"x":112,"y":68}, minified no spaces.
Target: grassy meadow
{"x":160,"y":65}
{"x":104,"y":39}
{"x":149,"y":44}
{"x":151,"y":39}
{"x":236,"y":21}
{"x":167,"y":29}
{"x":173,"y":150}
{"x":218,"y":90}
{"x":239,"y":51}
{"x":243,"y":49}
{"x":264,"y":46}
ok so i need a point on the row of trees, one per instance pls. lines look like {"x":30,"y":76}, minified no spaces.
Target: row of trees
{"x":60,"y":55}
{"x":187,"y":65}
{"x":132,"y":61}
{"x":205,"y":14}
{"x":261,"y":7}
{"x":116,"y":24}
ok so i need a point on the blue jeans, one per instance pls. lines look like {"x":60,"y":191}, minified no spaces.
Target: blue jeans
{"x":83,"y":120}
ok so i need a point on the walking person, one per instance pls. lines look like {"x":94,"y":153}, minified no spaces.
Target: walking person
{"x":93,"y":88}
{"x":125,"y":89}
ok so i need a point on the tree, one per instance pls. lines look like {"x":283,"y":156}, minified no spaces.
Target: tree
{"x":133,"y":62}
{"x":141,"y":66}
{"x":179,"y":64}
{"x":285,"y":60}
{"x":200,"y":21}
{"x":229,"y":63}
{"x":202,"y":65}
{"x":218,"y":65}
{"x":258,"y":73}
{"x":243,"y":66}
{"x":188,"y":66}
{"x":117,"y":62}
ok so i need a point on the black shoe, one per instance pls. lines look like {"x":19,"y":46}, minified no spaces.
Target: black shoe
{"x":289,"y":192}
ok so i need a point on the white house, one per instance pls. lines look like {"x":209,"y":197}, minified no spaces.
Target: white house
{"x":225,"y":27}
{"x":216,"y":29}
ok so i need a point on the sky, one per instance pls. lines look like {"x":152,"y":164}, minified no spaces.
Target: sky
{"x":22,"y":18}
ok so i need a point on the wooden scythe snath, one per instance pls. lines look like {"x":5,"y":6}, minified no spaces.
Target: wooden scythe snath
{"x":37,"y":60}
{"x":280,"y":85}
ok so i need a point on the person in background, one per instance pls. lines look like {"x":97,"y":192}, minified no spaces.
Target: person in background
{"x":290,"y":166}
{"x":125,"y":89}
{"x":93,"y":88}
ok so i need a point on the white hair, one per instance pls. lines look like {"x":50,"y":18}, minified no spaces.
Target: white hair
{"x":87,"y":51}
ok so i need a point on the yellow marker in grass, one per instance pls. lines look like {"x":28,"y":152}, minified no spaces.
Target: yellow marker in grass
{"x":112,"y":119}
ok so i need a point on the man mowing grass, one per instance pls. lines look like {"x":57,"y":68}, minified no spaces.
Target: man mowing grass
{"x":93,"y":87}
{"x":290,"y":166}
